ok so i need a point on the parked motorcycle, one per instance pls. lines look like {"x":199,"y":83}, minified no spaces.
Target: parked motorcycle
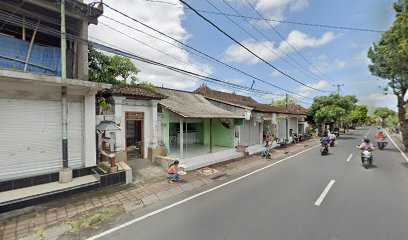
{"x":324,"y":149}
{"x":381,"y":144}
{"x":337,"y":133}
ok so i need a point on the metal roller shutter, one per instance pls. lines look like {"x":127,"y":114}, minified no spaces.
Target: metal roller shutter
{"x":30,"y":142}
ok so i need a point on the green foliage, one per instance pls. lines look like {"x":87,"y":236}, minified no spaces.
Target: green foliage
{"x":332,"y":108}
{"x":392,"y":121}
{"x":103,"y":103}
{"x":384,"y":113}
{"x":282,"y":102}
{"x":114,"y":70}
{"x":147,"y":85}
{"x":329,"y":114}
{"x":389,"y":56}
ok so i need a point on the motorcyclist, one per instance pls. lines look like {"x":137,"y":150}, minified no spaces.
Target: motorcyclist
{"x":380,"y":136}
{"x":366,"y":145}
{"x":325,"y":140}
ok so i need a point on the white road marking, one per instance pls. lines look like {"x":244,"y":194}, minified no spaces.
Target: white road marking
{"x":399,"y":149}
{"x":194,"y":196}
{"x":349,"y":158}
{"x":324,"y":193}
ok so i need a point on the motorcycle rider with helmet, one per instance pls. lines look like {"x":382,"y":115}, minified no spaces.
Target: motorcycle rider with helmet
{"x":366,"y":145}
{"x":325,"y":141}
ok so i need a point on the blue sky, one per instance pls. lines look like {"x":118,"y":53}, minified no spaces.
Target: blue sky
{"x":339,"y":54}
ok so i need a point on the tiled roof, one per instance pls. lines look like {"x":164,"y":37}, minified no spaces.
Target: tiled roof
{"x":237,"y":99}
{"x":136,"y":91}
{"x":249,"y":102}
{"x":192,"y":105}
{"x":297,"y":109}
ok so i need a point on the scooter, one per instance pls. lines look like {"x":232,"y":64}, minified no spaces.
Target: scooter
{"x":324,"y":149}
{"x":381,"y":144}
{"x":367,"y":157}
{"x":332,"y":142}
{"x":337,"y":133}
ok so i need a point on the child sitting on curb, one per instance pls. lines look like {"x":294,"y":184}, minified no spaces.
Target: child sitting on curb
{"x":172,"y":174}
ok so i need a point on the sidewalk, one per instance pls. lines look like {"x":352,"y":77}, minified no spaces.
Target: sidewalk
{"x":131,"y":198}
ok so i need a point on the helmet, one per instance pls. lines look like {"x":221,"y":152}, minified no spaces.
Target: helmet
{"x":366,"y":140}
{"x":380,"y":132}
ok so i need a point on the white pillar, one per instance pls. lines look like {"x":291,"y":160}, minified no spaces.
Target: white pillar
{"x":120,"y":118}
{"x":154,"y":127}
{"x":89,"y":129}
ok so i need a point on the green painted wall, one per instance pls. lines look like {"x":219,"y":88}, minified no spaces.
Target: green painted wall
{"x":222,"y":136}
{"x":199,"y":132}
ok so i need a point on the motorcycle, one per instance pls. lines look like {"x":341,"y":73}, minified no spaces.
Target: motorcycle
{"x":337,"y":133}
{"x":324,"y":149}
{"x":332,"y":142}
{"x":367,"y":157}
{"x":381,"y":144}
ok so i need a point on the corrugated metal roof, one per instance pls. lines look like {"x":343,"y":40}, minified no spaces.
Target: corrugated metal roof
{"x":192,"y":105}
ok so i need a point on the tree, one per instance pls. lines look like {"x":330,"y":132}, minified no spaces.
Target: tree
{"x":384,"y":113}
{"x":332,"y":108}
{"x":359,"y":115}
{"x":113,"y":70}
{"x":282,"y":102}
{"x":389,"y":59}
{"x":392,"y":121}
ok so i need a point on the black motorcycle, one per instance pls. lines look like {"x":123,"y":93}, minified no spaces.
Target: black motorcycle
{"x":324,"y":149}
{"x":332,"y":142}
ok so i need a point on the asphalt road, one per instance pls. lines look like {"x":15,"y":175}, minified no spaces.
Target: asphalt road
{"x":288,"y":201}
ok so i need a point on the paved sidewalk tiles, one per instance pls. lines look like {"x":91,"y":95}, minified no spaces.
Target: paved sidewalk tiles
{"x":132,"y":198}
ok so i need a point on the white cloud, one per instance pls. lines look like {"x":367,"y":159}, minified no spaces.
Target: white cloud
{"x":158,"y":16}
{"x":273,"y":97}
{"x":376,"y":100}
{"x":325,"y":65}
{"x":307,"y":91}
{"x":276,"y":73}
{"x":297,"y":39}
{"x":300,"y":40}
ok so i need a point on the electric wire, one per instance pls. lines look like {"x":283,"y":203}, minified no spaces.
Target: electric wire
{"x":263,"y":44}
{"x":283,"y":38}
{"x":277,"y":20}
{"x":247,"y":49}
{"x":200,"y":52}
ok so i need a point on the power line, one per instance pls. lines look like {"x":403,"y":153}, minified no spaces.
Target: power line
{"x":276,"y":20}
{"x":250,"y":51}
{"x":283,"y":38}
{"x":200,"y":52}
{"x":262,"y":34}
{"x":57,"y":33}
{"x":175,"y":69}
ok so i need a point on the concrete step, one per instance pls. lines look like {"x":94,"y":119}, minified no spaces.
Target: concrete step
{"x":25,"y":194}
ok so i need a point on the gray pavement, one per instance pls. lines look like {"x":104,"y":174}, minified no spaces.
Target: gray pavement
{"x":279,"y":202}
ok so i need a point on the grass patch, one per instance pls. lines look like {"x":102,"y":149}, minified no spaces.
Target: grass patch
{"x":93,"y":220}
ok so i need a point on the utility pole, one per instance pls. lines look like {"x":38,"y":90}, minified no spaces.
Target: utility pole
{"x":287,"y":116}
{"x":338,"y":87}
{"x":65,"y":173}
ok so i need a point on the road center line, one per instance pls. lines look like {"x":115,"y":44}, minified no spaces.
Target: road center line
{"x":324,"y":193}
{"x":349,"y":158}
{"x":399,"y":149}
{"x":194,"y":196}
